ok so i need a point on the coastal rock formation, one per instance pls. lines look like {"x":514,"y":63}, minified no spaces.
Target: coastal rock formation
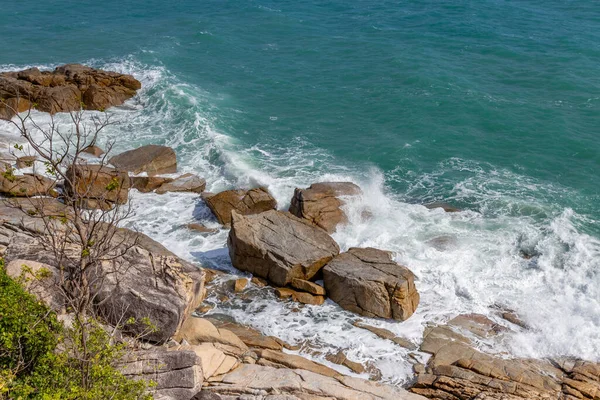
{"x":320,"y":203}
{"x":147,"y":281}
{"x":39,"y":279}
{"x":177,"y":374}
{"x":296,"y":384}
{"x":184,"y":183}
{"x":27,"y":185}
{"x":98,"y":183}
{"x":93,"y":150}
{"x":367,"y":281}
{"x":152,"y":159}
{"x":457,"y":370}
{"x":68,"y":88}
{"x":253,"y":201}
{"x":278,"y":246}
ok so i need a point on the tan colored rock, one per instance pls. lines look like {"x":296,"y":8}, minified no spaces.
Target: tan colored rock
{"x":27,"y":185}
{"x":69,"y":87}
{"x":278,"y":246}
{"x":152,"y":159}
{"x":320,"y":203}
{"x":444,"y":206}
{"x":199,"y":330}
{"x":41,"y":280}
{"x":239,"y":284}
{"x":96,"y":182}
{"x":251,"y":337}
{"x":146,"y":184}
{"x":367,"y":281}
{"x":201,"y":228}
{"x":251,"y":379}
{"x":244,"y":202}
{"x":185,"y":183}
{"x":260,"y":282}
{"x":386,"y":334}
{"x":93,"y":150}
{"x":213,"y":360}
{"x":308,"y":286}
{"x":300,"y":297}
{"x":294,"y":362}
{"x":341,"y":359}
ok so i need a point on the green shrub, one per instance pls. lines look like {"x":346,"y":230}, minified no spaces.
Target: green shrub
{"x":40,"y":359}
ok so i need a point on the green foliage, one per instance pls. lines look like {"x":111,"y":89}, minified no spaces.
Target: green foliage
{"x":114,"y":184}
{"x":9,"y":174}
{"x":41,"y":359}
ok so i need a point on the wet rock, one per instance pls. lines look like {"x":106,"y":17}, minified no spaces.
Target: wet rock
{"x":457,"y":370}
{"x":386,"y":334}
{"x":259,"y":281}
{"x":184,"y":183}
{"x":152,"y":159}
{"x":309,"y":287}
{"x":93,"y":150}
{"x":278,"y":246}
{"x":146,"y":184}
{"x":96,"y":182}
{"x":177,"y":374}
{"x":249,"y":202}
{"x":300,"y":297}
{"x":444,"y":206}
{"x":239,"y":285}
{"x":341,"y":359}
{"x":68,"y":88}
{"x":367,"y":281}
{"x":201,"y":228}
{"x":320,"y":203}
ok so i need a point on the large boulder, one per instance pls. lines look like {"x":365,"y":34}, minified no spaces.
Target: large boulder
{"x":69,"y":87}
{"x":244,"y":202}
{"x":144,"y":282}
{"x":367,"y":281}
{"x":27,"y":185}
{"x":146,"y":184}
{"x":97,"y":183}
{"x":177,"y":374}
{"x":152,"y":159}
{"x":278,"y":246}
{"x":321,"y":203}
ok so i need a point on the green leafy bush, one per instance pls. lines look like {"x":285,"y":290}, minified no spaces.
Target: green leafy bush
{"x":40,"y":359}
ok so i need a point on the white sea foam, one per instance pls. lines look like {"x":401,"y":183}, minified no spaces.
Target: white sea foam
{"x":465,"y":262}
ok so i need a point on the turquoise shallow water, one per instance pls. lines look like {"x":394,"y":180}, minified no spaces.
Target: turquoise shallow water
{"x":493,"y":106}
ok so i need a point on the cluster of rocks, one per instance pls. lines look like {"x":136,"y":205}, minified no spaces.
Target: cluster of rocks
{"x":69,"y":87}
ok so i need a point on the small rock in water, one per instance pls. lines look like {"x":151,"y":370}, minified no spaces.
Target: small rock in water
{"x":239,"y":285}
{"x":201,"y":228}
{"x":445,"y":206}
{"x":185,"y":183}
{"x":244,"y":202}
{"x":385,"y":334}
{"x":260,"y":282}
{"x":309,"y":287}
{"x":146,"y":184}
{"x":341,"y":359}
{"x":94,"y":150}
{"x":152,"y":159}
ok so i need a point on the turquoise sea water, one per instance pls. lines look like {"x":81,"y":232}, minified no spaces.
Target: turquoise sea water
{"x":492,"y":106}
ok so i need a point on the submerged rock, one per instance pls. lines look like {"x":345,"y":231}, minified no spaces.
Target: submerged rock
{"x":152,"y":159}
{"x":279,"y":247}
{"x":184,"y":183}
{"x":69,"y":87}
{"x":367,"y":281}
{"x":320,"y":203}
{"x":253,"y":201}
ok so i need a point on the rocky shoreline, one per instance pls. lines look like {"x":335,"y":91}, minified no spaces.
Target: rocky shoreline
{"x":195,"y":354}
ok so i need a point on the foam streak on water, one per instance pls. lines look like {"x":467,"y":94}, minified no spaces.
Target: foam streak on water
{"x":470,"y":261}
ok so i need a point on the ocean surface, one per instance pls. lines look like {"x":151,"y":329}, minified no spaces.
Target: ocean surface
{"x":491,"y":106}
